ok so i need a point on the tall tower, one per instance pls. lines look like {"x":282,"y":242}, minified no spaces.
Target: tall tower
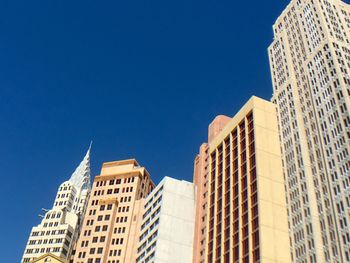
{"x":110,"y":228}
{"x":242,"y":206}
{"x":310,"y":66}
{"x":60,"y":227}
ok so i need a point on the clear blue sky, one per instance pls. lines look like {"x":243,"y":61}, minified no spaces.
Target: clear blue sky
{"x":140,"y":78}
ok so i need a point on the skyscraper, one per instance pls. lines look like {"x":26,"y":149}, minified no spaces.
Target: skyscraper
{"x":243,"y":214}
{"x":60,"y":226}
{"x":167,"y":223}
{"x":109,"y":232}
{"x":310,"y":65}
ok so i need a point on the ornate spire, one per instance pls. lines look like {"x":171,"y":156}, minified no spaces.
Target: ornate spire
{"x":81,"y":176}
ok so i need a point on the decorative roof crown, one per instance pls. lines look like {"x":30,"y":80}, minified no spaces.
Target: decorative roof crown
{"x":81,"y":176}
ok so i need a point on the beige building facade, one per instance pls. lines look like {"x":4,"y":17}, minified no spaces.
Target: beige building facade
{"x":310,"y":65}
{"x":245,"y":211}
{"x":110,"y":228}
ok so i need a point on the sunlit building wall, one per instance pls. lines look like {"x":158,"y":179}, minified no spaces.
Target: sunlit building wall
{"x":166,"y":233}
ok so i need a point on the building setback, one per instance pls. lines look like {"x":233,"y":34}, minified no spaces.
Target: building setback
{"x":310,"y":65}
{"x":111,"y":222}
{"x":246,"y":215}
{"x":60,"y":226}
{"x":167,"y":223}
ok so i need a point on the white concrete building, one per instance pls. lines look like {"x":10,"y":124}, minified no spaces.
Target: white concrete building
{"x":60,"y":226}
{"x":310,"y":68}
{"x":168,"y":223}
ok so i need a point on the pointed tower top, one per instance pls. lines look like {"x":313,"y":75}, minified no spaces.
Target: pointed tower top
{"x":90,"y":146}
{"x":81,"y":176}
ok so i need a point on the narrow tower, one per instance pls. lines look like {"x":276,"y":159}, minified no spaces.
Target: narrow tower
{"x":60,"y":226}
{"x":200,"y":180}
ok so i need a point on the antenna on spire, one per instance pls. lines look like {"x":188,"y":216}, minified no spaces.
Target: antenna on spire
{"x":90,"y":145}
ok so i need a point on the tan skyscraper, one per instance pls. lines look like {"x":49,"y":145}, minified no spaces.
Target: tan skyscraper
{"x":240,"y":190}
{"x":310,"y":65}
{"x":110,"y":228}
